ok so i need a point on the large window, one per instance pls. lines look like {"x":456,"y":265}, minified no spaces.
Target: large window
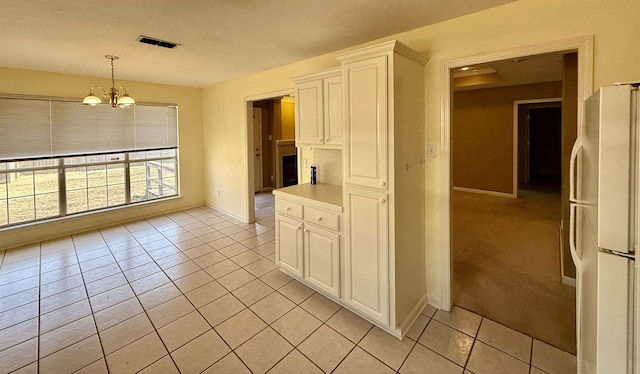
{"x":59,"y":158}
{"x":57,"y":187}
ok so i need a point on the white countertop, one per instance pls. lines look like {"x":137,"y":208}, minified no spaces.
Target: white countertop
{"x":326,"y":195}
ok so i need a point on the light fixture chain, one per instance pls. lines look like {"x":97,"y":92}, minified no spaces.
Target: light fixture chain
{"x":113,"y":80}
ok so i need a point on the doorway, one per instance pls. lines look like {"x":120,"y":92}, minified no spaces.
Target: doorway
{"x":584,"y":82}
{"x":269,"y":123}
{"x":505,"y":204}
{"x":538,"y":125}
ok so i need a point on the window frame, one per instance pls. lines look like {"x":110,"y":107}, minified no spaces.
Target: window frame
{"x":62,"y":168}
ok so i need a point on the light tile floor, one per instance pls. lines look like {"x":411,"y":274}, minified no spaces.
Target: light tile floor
{"x":197,"y":291}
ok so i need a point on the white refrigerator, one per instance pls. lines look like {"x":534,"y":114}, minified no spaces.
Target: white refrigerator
{"x":604,"y":165}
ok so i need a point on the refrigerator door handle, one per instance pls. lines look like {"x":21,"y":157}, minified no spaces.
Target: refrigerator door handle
{"x":577,"y":146}
{"x":577,"y":261}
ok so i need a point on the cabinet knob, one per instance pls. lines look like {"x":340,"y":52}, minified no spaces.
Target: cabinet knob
{"x":382,"y":183}
{"x":287,"y":209}
{"x":306,"y":230}
{"x":319,"y":140}
{"x":382,"y":200}
{"x":319,"y":219}
{"x":299,"y":227}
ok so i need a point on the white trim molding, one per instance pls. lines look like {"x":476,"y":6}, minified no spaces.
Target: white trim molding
{"x":485,"y":192}
{"x":516,"y":104}
{"x":582,"y":44}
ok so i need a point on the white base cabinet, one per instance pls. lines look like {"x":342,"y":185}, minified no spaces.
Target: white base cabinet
{"x":366,"y":254}
{"x":321,"y":259}
{"x":289,"y":243}
{"x":309,"y":237}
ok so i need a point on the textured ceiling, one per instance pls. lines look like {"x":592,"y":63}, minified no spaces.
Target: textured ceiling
{"x":220,"y":39}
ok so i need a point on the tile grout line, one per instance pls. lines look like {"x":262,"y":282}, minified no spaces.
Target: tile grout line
{"x":182,"y":293}
{"x":415,"y":343}
{"x":439,"y":354}
{"x":232,"y":351}
{"x":39,"y":306}
{"x":84,"y":284}
{"x":145,"y":311}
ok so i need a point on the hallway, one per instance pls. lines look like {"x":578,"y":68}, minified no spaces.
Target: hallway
{"x":507,"y":265}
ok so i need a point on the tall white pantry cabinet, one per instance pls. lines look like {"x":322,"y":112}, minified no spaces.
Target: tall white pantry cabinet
{"x":383,"y":177}
{"x":362,"y":244}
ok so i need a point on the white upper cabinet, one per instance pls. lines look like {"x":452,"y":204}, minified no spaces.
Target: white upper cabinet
{"x":309,"y":113}
{"x":366,"y":151}
{"x":319,"y":110}
{"x":333,"y":112}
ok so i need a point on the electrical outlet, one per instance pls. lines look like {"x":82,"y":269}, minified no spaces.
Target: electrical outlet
{"x":270,"y":137}
{"x":431,"y":150}
{"x":304,"y":163}
{"x":272,"y":177}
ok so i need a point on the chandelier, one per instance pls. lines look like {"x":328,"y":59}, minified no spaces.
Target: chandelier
{"x":118,"y":97}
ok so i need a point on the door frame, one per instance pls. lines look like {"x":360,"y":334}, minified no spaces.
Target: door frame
{"x":516,"y":107}
{"x":249,"y":160}
{"x":261,"y":184}
{"x":582,"y":44}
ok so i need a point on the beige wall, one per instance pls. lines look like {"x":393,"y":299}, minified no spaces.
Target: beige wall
{"x":616,"y":58}
{"x":288,"y":120}
{"x":569,"y":127}
{"x":482,"y":134}
{"x":189,"y":100}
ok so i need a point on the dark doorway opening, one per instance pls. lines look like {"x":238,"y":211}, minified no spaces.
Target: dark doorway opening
{"x":540,"y":146}
{"x":545,"y":134}
{"x":289,"y":170}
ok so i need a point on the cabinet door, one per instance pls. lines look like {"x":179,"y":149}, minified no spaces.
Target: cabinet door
{"x":321,"y":253}
{"x":289,"y":245}
{"x":365,"y":142}
{"x":366,"y":253}
{"x":309,"y":113}
{"x":333,"y":112}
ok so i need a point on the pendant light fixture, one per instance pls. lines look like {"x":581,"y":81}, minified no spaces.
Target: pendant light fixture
{"x":118,"y":97}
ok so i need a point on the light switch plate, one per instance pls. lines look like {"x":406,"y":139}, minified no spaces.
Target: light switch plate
{"x":431,"y":150}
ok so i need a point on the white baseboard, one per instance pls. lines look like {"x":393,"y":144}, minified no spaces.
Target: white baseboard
{"x":434,"y":301}
{"x":233,"y":215}
{"x":484,"y":192}
{"x":568,"y":281}
{"x":413,"y":315}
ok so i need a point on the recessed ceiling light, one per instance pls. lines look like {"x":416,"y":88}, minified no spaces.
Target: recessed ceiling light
{"x":473,"y":70}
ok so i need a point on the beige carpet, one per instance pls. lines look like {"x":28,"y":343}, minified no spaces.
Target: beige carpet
{"x":507,"y":264}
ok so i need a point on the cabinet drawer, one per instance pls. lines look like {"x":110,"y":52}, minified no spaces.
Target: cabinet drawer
{"x":319,"y":217}
{"x":289,"y":208}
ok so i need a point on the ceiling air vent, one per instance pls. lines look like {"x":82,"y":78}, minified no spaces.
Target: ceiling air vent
{"x":157,"y":42}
